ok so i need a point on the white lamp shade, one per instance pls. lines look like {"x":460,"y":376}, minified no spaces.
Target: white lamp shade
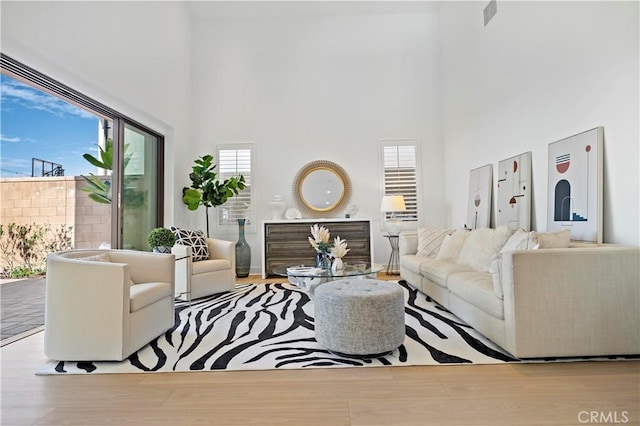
{"x":392,"y":203}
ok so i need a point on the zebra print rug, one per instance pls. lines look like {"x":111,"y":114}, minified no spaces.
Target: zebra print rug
{"x":270,"y":326}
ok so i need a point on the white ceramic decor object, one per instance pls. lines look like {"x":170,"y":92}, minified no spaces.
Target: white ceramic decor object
{"x":277,"y":206}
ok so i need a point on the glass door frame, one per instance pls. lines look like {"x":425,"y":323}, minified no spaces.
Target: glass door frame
{"x":117,"y":179}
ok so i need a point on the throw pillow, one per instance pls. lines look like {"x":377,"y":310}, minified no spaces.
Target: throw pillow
{"x":194,"y":239}
{"x":430,"y":240}
{"x":104,"y":257}
{"x":481,"y":245}
{"x":452,"y":244}
{"x":521,"y":240}
{"x":558,"y":239}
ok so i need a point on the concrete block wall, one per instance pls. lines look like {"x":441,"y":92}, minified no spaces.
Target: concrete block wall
{"x":56,"y":201}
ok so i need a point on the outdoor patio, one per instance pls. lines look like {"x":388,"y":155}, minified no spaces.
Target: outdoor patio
{"x":21,"y":307}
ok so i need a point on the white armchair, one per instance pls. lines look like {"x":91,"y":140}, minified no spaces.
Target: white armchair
{"x":106,"y":309}
{"x":216,"y":274}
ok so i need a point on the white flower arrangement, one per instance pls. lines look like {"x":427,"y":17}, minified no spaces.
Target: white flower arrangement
{"x":339,"y":248}
{"x":320,"y":241}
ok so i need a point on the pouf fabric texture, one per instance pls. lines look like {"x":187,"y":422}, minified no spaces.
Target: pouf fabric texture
{"x":359,"y":316}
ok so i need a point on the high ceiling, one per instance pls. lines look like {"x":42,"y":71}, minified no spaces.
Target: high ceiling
{"x":275,"y":9}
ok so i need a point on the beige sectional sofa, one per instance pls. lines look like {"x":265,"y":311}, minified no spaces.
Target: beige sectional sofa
{"x":553,"y":302}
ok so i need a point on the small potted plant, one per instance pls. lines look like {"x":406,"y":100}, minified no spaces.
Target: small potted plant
{"x":161,"y":240}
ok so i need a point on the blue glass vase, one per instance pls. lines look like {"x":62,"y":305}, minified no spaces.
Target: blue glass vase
{"x":323,"y":260}
{"x":243,"y":253}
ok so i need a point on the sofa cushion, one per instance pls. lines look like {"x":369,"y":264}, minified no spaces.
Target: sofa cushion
{"x":481,"y":245}
{"x":412,"y":262}
{"x":452,"y":244}
{"x":145,"y":294}
{"x":477,"y":289}
{"x":439,"y":270}
{"x":194,"y":239}
{"x":558,"y":239}
{"x":211,"y":265}
{"x":430,"y":240}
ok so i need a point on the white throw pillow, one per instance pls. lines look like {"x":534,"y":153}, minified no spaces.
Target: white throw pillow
{"x":430,"y":240}
{"x":481,"y":245}
{"x":104,"y":257}
{"x":452,"y":244}
{"x":521,"y":240}
{"x":558,"y":239}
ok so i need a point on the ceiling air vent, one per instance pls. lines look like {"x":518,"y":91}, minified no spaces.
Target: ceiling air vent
{"x":490,"y":11}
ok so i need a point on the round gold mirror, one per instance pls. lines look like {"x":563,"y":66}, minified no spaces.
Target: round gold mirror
{"x":321,"y":188}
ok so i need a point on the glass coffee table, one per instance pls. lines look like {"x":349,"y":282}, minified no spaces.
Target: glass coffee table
{"x":308,"y":277}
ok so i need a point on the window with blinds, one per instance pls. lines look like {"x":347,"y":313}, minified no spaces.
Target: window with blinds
{"x":236,"y":160}
{"x":400,"y":174}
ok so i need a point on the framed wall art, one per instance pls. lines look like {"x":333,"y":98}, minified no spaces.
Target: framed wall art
{"x":514,"y":192}
{"x":479,"y":202}
{"x":575,"y":185}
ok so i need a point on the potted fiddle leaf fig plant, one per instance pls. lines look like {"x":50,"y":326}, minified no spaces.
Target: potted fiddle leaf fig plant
{"x":206,"y":189}
{"x":161,"y":240}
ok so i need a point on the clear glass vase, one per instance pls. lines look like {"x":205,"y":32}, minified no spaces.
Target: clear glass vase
{"x":243,"y":252}
{"x":323,"y":260}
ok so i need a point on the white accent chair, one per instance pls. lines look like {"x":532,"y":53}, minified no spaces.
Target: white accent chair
{"x":104,"y":310}
{"x":216,"y":274}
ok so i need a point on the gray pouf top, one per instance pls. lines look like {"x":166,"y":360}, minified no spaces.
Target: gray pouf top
{"x":358,"y":288}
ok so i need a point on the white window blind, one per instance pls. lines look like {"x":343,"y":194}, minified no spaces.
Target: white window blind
{"x":236,"y":160}
{"x":400,"y":171}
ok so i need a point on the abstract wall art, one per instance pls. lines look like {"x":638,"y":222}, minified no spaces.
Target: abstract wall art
{"x":575,"y":185}
{"x":479,"y":203}
{"x":514,"y":192}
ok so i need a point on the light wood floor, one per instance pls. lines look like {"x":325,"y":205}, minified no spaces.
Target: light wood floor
{"x":527,"y":394}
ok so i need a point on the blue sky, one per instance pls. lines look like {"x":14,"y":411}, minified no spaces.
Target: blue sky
{"x":36,"y":124}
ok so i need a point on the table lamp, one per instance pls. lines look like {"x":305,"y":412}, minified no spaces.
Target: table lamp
{"x":392,"y":204}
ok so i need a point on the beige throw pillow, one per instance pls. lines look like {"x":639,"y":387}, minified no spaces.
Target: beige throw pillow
{"x":430,"y":240}
{"x":558,"y":239}
{"x":104,"y":257}
{"x":521,"y":240}
{"x":452,"y":244}
{"x":481,"y":245}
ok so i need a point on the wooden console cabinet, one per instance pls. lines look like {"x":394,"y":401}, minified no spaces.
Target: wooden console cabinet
{"x":287,"y":242}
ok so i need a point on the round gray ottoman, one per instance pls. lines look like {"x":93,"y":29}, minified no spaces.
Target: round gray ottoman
{"x":359,"y":317}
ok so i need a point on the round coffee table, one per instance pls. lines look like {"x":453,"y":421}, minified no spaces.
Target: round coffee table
{"x":308,"y":277}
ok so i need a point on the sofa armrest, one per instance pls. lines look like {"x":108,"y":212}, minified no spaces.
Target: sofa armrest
{"x":86,"y":301}
{"x":408,"y":244}
{"x":572,"y":302}
{"x":222,"y":249}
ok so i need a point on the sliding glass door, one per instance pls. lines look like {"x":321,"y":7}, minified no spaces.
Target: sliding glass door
{"x":117,"y":191}
{"x":139,"y":185}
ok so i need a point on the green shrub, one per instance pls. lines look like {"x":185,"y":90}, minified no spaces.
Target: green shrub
{"x":161,"y":237}
{"x":25,"y":248}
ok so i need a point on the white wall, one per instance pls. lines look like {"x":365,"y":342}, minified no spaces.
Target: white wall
{"x":539,"y":72}
{"x":134,"y":57}
{"x":320,"y":88}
